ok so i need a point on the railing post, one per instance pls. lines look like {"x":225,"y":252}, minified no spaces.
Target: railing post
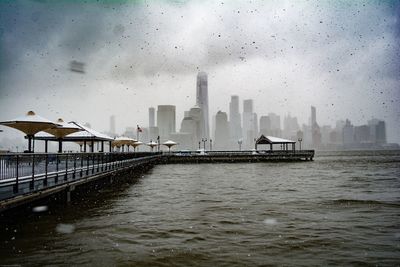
{"x":45,"y":169}
{"x":74,"y":174}
{"x":56,"y":178}
{"x":16,"y":176}
{"x":81,"y":155}
{"x":66,"y":167}
{"x":102,"y":161}
{"x":92,"y":162}
{"x":31,"y":184}
{"x":98,"y":162}
{"x":87,"y":164}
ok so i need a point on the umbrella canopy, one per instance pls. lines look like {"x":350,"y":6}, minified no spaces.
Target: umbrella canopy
{"x":63,"y":129}
{"x":30,"y":124}
{"x":136,"y":144}
{"x":123,"y":140}
{"x":152,"y":144}
{"x":170,"y":144}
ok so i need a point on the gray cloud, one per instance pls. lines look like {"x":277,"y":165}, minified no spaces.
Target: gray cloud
{"x":340,"y":56}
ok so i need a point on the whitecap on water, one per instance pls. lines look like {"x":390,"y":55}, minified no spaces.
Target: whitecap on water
{"x":270,"y":221}
{"x":64,"y":228}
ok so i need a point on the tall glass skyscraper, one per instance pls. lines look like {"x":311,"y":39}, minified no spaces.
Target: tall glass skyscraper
{"x":202,"y":102}
{"x":234,"y":119}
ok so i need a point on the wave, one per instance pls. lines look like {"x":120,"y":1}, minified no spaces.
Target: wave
{"x":362,"y":202}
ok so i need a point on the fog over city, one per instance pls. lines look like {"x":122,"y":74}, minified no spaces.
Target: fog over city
{"x":340,"y":56}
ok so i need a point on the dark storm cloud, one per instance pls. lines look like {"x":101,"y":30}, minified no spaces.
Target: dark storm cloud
{"x":328,"y":53}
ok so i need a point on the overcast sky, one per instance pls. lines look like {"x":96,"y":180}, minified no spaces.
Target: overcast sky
{"x":340,"y":56}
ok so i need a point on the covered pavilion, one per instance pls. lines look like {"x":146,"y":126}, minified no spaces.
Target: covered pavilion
{"x":83,"y":137}
{"x":271,"y":140}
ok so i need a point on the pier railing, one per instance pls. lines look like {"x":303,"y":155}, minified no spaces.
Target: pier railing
{"x":23,"y":173}
{"x":242,"y":152}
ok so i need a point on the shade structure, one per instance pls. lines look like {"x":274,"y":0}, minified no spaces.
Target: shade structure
{"x":170,"y":144}
{"x":62,"y":130}
{"x":136,"y":144}
{"x":30,"y":124}
{"x":87,"y":135}
{"x":122,"y":141}
{"x":152,"y":144}
{"x":272,"y":140}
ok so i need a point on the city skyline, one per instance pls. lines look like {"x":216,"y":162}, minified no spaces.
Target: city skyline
{"x":341,"y":58}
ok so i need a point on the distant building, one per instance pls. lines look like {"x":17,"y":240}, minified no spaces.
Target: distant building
{"x":152,"y":114}
{"x":166,"y":121}
{"x":202,"y":102}
{"x":290,"y":127}
{"x":184,"y":141}
{"x":315,"y":130}
{"x":265,"y":125}
{"x":348,"y":134}
{"x":235,"y":127}
{"x":221,"y":141}
{"x":130,"y":132}
{"x":191,"y":124}
{"x":250,"y":124}
{"x":362,"y":134}
{"x":377,"y":131}
{"x":153,"y":133}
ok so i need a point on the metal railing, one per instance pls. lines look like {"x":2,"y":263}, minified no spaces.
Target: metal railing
{"x":242,"y":152}
{"x":29,"y":172}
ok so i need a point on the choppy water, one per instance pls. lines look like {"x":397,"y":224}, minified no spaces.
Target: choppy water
{"x":341,"y":209}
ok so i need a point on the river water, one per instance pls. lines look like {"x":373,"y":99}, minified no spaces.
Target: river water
{"x":343,"y":208}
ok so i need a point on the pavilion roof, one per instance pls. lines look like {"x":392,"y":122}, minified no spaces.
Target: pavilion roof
{"x":263,"y":140}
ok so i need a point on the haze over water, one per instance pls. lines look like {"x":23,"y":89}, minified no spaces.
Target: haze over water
{"x":341,"y":209}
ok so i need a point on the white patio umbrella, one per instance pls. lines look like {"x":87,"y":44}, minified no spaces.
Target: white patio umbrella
{"x":61,"y":130}
{"x":30,"y":124}
{"x":152,"y":144}
{"x":122,"y":141}
{"x":169,"y":144}
{"x":136,"y":144}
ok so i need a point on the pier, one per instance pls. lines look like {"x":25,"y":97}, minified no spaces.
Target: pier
{"x":27,"y":177}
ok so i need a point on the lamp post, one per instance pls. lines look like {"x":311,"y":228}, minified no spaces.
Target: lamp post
{"x":300,"y":139}
{"x":210,"y":144}
{"x":240,"y":141}
{"x":204,"y":140}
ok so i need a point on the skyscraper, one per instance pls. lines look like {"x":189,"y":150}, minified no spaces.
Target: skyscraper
{"x":315,"y":130}
{"x":235,"y":127}
{"x":313,"y":116}
{"x":152,"y":117}
{"x":166,"y":121}
{"x":249,"y":123}
{"x":221,"y":130}
{"x":202,"y":102}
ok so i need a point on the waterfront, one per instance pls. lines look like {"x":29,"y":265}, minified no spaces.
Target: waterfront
{"x":341,"y":209}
